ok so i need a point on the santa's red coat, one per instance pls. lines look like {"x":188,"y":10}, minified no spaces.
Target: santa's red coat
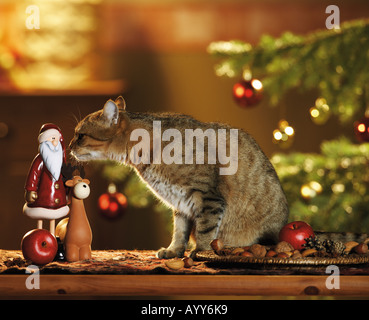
{"x":51,"y":194}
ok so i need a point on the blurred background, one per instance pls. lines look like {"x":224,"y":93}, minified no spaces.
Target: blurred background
{"x":155,"y":55}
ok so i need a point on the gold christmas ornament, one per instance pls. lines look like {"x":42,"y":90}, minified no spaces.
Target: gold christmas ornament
{"x":320,"y":113}
{"x":283,"y":135}
{"x":311,"y":190}
{"x":338,"y":188}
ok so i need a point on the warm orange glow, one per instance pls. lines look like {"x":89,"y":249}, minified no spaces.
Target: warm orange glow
{"x":257,"y":85}
{"x":121,"y":199}
{"x":277,"y":135}
{"x":289,"y":131}
{"x":113,"y":207}
{"x":361,"y":127}
{"x":238,"y":90}
{"x":314,"y":112}
{"x":249,"y":93}
{"x":104,"y":202}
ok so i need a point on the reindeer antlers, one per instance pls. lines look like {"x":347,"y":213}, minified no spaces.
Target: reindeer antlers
{"x":69,"y":171}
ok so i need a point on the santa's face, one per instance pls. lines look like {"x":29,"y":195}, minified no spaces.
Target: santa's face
{"x":54,"y":139}
{"x":52,"y":154}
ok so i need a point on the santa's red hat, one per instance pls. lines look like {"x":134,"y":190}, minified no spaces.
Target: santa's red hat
{"x":49,"y":129}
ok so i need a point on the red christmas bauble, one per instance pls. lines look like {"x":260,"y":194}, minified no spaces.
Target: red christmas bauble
{"x":112,"y":205}
{"x":248,"y":93}
{"x":362,"y":129}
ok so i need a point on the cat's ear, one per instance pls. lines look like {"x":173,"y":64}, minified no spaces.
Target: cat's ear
{"x":111,"y":112}
{"x":120,"y":103}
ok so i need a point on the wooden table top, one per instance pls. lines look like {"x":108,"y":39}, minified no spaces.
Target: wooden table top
{"x":140,"y":273}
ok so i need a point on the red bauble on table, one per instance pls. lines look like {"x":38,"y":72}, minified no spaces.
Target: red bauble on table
{"x":248,"y":93}
{"x":295,"y":233}
{"x":112,"y":205}
{"x":39,"y":246}
{"x":362,"y":129}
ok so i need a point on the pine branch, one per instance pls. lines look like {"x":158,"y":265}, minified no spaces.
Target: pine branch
{"x":335,"y":62}
{"x":341,"y":201}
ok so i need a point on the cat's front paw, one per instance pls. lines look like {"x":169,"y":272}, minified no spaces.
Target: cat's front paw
{"x":192,"y":254}
{"x":165,"y":253}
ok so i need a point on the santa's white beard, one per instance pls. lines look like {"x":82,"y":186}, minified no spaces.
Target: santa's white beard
{"x":52,"y":157}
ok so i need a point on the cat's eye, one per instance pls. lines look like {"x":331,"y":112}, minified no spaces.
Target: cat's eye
{"x":80,"y":136}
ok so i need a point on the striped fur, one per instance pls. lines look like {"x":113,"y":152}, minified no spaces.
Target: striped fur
{"x":240,"y":209}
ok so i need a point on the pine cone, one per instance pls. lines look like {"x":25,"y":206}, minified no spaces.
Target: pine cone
{"x":315,"y":243}
{"x":335,"y":248}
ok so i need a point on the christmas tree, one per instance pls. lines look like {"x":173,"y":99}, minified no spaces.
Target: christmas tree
{"x":333,"y":61}
{"x":328,"y":190}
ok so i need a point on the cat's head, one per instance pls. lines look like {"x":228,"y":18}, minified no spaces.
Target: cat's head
{"x":99,"y":134}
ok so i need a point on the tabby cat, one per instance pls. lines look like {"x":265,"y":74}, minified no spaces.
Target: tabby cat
{"x":242,"y":208}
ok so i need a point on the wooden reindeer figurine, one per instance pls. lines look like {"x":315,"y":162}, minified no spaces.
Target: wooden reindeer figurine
{"x":78,"y":236}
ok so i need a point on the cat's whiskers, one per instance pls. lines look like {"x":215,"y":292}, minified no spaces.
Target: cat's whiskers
{"x":117,"y":157}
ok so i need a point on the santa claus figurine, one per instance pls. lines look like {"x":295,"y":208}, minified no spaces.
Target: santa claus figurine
{"x":45,"y":191}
